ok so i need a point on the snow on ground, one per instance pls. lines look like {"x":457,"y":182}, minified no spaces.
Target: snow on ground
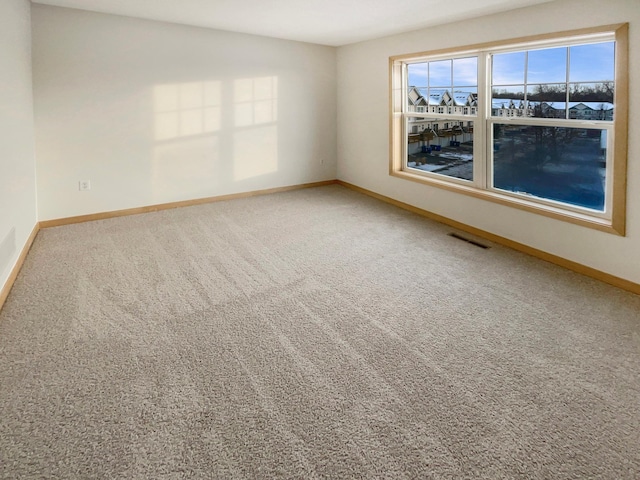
{"x":427,"y":168}
{"x":465,"y":157}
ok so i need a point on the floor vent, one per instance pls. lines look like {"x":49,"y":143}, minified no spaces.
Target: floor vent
{"x":472,"y":242}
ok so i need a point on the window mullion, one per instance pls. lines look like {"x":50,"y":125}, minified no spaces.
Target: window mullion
{"x":568,"y":77}
{"x":480,"y":151}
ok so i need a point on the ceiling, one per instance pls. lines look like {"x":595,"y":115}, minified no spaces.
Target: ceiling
{"x":326,"y":22}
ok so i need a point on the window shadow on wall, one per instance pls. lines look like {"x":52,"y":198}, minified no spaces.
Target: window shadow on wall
{"x":210,"y":135}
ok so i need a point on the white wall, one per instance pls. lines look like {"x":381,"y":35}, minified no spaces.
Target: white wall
{"x":154,"y":112}
{"x":363,"y":131}
{"x":17,"y":163}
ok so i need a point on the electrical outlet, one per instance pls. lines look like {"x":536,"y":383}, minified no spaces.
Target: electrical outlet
{"x":84,"y":185}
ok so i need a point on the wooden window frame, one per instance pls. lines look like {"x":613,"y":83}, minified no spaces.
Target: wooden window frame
{"x":615,"y":220}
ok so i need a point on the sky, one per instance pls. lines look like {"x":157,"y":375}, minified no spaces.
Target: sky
{"x":588,"y":63}
{"x":463,"y":70}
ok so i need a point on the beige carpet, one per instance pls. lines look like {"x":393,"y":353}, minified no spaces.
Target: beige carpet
{"x":310,"y":334}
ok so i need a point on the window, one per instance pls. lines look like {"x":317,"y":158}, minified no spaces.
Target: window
{"x":535,"y":123}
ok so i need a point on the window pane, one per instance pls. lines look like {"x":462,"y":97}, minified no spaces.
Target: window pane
{"x":508,"y":101}
{"x":441,"y":146}
{"x":440,"y":74}
{"x":418,"y":73}
{"x":547,"y":100}
{"x":547,"y":66}
{"x":591,"y":101}
{"x":592,"y":63}
{"x":508,"y":68}
{"x":464,"y":101}
{"x":465,"y":71}
{"x":555,"y":163}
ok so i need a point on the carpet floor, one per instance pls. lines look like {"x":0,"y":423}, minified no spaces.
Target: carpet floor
{"x":310,"y":334}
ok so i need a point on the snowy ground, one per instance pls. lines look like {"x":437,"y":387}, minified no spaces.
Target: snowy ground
{"x":453,"y":162}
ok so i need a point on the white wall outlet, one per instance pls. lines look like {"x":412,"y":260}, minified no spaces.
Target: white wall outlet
{"x":84,"y":185}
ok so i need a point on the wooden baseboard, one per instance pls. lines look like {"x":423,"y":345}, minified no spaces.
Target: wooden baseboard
{"x":185,"y":203}
{"x":4,"y":292}
{"x":562,"y":262}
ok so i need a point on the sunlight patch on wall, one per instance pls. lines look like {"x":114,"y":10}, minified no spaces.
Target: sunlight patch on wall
{"x":255,"y":147}
{"x":186,"y":109}
{"x":255,"y":152}
{"x":255,"y":101}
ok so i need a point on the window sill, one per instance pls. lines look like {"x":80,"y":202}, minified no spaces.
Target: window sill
{"x":576,"y":218}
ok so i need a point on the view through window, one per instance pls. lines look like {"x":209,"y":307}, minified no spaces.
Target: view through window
{"x":536,"y":122}
{"x":449,"y":89}
{"x":554,"y":160}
